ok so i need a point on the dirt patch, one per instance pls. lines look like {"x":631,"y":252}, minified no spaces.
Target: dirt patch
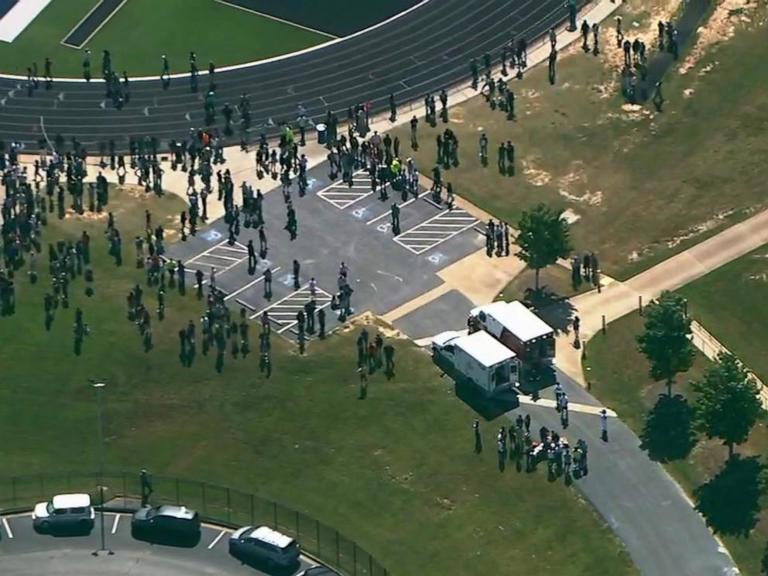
{"x":721,"y":26}
{"x":577,"y":178}
{"x":370,"y":319}
{"x":713,"y":222}
{"x":571,"y":216}
{"x":589,"y":198}
{"x":534,"y":175}
{"x":761,"y":276}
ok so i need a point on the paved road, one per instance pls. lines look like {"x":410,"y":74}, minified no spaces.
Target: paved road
{"x":425,"y":50}
{"x":636,"y":497}
{"x":335,"y":224}
{"x":28,"y":552}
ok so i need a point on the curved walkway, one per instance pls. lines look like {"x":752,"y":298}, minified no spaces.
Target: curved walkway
{"x":423,"y":51}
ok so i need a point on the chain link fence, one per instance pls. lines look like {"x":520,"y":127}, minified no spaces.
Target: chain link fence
{"x":215,"y":503}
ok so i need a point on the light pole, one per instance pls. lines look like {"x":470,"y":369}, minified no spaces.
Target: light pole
{"x":99,"y":386}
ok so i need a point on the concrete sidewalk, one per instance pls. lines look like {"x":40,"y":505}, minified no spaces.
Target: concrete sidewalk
{"x":620,"y":298}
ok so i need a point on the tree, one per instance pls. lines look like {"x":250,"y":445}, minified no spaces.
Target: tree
{"x":727,"y":405}
{"x":764,"y":562}
{"x":543,"y":238}
{"x":665,"y":342}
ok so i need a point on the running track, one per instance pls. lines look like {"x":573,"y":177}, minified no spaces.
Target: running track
{"x":422,"y":51}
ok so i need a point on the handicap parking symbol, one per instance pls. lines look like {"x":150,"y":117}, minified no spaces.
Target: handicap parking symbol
{"x":384,"y":227}
{"x":286,"y":279}
{"x":263,"y":265}
{"x":436,"y":258}
{"x":311,"y":183}
{"x":360,"y":212}
{"x":212,"y":235}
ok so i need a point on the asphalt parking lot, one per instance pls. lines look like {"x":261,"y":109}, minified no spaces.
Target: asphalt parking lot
{"x":24,"y":551}
{"x":336,"y":224}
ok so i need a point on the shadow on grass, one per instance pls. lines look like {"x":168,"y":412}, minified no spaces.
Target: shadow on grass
{"x":554,"y":309}
{"x":668,"y":432}
{"x":488,"y":408}
{"x":730,"y":502}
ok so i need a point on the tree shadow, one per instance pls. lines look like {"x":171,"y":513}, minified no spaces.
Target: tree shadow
{"x":554,"y":309}
{"x":730,"y":502}
{"x":668,"y":432}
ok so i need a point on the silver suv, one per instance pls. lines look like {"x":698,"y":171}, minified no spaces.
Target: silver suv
{"x":64,"y":512}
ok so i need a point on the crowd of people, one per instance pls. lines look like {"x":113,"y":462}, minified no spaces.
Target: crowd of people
{"x":516,"y":443}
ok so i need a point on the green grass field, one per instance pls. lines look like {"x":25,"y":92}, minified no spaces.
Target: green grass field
{"x":618,"y":374}
{"x":143,"y":30}
{"x":730,"y":303}
{"x":643,"y":185}
{"x":395,"y":471}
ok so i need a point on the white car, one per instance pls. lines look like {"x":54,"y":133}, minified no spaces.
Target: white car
{"x":64,"y":512}
{"x":264,"y":545}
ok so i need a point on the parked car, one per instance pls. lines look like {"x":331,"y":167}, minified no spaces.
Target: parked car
{"x":265,"y":546}
{"x":165,"y":523}
{"x":64,"y":512}
{"x":318,"y":571}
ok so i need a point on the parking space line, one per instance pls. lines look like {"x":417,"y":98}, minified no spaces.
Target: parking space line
{"x":216,"y":540}
{"x":259,"y":279}
{"x":283,"y":312}
{"x":230,"y":258}
{"x":435,"y":231}
{"x":403,"y":205}
{"x":7,"y":528}
{"x":240,"y":249}
{"x":259,"y":313}
{"x":341,"y":195}
{"x":292,"y":324}
{"x":114,"y":524}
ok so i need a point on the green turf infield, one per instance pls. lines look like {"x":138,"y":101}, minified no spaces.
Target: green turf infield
{"x":142,"y":31}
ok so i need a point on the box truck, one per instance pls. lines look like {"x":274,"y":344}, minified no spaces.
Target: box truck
{"x":518,"y":328}
{"x":478,"y":358}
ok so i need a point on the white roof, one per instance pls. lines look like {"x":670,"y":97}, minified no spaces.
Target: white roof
{"x":71,"y":501}
{"x":516,"y":318}
{"x":484,"y":348}
{"x":266,"y":534}
{"x":444,"y":337}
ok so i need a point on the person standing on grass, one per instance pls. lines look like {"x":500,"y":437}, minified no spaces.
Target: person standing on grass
{"x":484,"y":148}
{"x":165,"y":74}
{"x":87,"y":66}
{"x":363,"y":383}
{"x":48,"y":74}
